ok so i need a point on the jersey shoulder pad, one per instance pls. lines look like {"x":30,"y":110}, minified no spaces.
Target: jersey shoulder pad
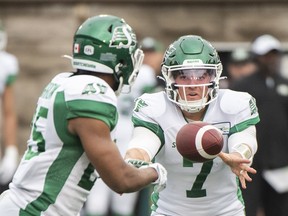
{"x":89,"y":88}
{"x":58,"y":77}
{"x":90,"y":96}
{"x":10,"y":63}
{"x":232,"y":102}
{"x":152,"y":104}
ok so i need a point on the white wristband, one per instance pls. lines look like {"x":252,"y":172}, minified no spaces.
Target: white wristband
{"x":244,"y":150}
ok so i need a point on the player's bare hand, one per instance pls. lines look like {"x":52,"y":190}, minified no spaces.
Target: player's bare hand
{"x":239,"y":166}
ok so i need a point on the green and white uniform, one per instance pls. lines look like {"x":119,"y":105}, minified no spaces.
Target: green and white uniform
{"x":199,"y":189}
{"x":8,"y":69}
{"x":101,"y":197}
{"x":55,"y":175}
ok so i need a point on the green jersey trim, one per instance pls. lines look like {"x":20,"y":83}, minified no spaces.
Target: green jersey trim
{"x":64,"y":163}
{"x":239,"y":192}
{"x":153,"y":127}
{"x":67,"y":158}
{"x":243,"y":125}
{"x":10,"y":80}
{"x":93,"y":109}
{"x":154,"y":199}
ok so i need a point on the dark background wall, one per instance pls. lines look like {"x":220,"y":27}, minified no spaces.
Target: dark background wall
{"x":40,"y":32}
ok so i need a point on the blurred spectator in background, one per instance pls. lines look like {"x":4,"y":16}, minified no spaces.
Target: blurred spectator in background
{"x":8,"y":72}
{"x":239,"y":65}
{"x":102,"y":200}
{"x":154,"y":51}
{"x":269,"y":188}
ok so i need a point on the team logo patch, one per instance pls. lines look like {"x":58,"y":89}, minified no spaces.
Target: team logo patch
{"x":169,"y":51}
{"x":253,"y":107}
{"x":192,"y":61}
{"x":94,"y":88}
{"x":76,"y":48}
{"x":89,"y":50}
{"x":108,"y":57}
{"x":223,"y":126}
{"x":123,"y":37}
{"x":139,"y":104}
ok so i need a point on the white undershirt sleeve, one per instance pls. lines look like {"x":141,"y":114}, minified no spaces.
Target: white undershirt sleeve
{"x":145,"y":139}
{"x":244,"y":142}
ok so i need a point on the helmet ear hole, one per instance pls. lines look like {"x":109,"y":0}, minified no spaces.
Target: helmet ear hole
{"x":122,"y":61}
{"x":119,"y":70}
{"x":110,"y":28}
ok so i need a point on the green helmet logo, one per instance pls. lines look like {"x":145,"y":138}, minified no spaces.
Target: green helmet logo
{"x":107,"y":44}
{"x":123,"y":37}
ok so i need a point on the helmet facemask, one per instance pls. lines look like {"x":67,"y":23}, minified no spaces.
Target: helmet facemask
{"x":189,"y":78}
{"x":137,"y":60}
{"x":191,"y":62}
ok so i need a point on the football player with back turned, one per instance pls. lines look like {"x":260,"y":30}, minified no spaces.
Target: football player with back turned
{"x":192,"y":69}
{"x":70,"y":144}
{"x":9,"y":70}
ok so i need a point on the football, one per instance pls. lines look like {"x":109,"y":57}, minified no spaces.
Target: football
{"x":199,"y":141}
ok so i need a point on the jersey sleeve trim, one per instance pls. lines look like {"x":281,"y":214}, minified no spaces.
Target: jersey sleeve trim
{"x":10,"y":80}
{"x":93,"y":109}
{"x":153,"y":127}
{"x":245,"y":124}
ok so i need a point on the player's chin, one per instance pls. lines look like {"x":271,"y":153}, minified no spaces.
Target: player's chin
{"x":193,"y":97}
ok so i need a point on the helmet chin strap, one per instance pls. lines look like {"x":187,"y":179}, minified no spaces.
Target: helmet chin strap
{"x":118,"y":79}
{"x":120,"y":86}
{"x":193,"y":106}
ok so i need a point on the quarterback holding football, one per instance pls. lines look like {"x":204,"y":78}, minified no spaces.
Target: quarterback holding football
{"x":192,"y":69}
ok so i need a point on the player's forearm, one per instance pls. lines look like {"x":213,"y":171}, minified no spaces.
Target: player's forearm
{"x":144,"y":144}
{"x":9,"y":118}
{"x":139,"y":180}
{"x":10,"y":130}
{"x":130,"y":179}
{"x":244,"y":143}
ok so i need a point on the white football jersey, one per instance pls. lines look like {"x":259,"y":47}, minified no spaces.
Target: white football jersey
{"x":8,"y":69}
{"x":145,"y":82}
{"x":199,"y":189}
{"x":55,"y":175}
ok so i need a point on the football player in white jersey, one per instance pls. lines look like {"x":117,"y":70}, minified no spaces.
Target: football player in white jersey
{"x":101,"y":198}
{"x":9,"y":69}
{"x":192,"y":69}
{"x":71,"y":145}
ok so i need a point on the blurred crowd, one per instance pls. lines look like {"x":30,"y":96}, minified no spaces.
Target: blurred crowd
{"x":268,"y":193}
